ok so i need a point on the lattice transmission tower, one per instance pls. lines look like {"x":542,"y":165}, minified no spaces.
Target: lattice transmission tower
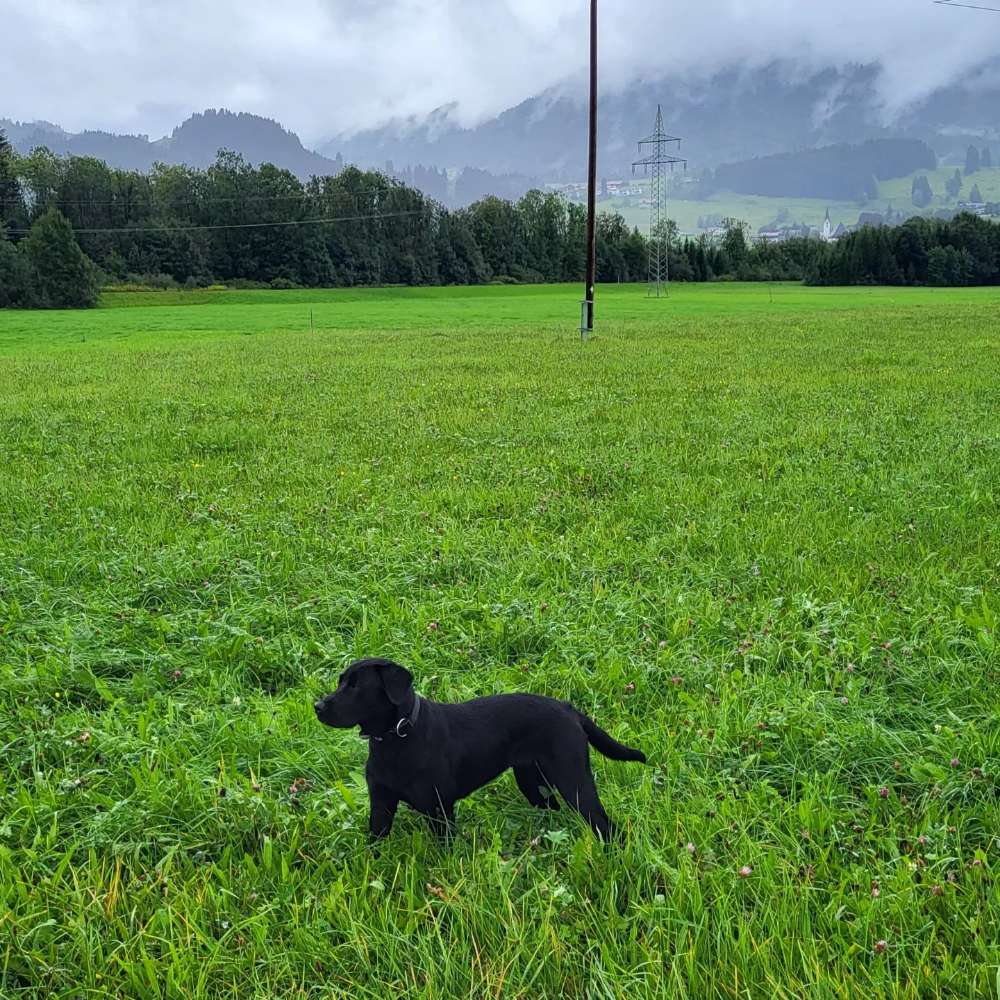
{"x":658,"y":166}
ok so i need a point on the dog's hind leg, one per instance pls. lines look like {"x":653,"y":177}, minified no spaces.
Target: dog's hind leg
{"x":575,"y":781}
{"x":530,"y":781}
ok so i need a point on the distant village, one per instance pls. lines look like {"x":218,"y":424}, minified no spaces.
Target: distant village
{"x":577,"y":191}
{"x":830,"y":233}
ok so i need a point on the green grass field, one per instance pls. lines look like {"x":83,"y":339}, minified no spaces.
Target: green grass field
{"x":753,"y":531}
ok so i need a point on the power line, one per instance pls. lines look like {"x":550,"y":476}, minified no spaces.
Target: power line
{"x":139,"y":230}
{"x":167,"y":202}
{"x":967,"y":6}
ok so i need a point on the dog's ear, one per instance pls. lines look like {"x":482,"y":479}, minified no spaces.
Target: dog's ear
{"x":397,"y":681}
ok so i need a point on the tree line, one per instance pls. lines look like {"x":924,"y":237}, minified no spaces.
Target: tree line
{"x":233,"y":222}
{"x":961,"y":251}
{"x":70,"y":224}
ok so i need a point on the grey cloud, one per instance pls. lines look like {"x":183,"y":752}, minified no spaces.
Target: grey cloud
{"x":324,"y":66}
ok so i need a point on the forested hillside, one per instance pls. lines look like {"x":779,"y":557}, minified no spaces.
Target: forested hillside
{"x":839,"y":173}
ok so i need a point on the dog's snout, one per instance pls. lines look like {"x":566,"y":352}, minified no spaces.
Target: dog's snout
{"x":318,"y":705}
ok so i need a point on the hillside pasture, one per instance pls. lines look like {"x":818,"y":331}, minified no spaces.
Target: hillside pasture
{"x":759,"y":211}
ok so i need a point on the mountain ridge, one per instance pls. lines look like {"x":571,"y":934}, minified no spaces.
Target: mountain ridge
{"x":195,"y":143}
{"x":735,"y":115}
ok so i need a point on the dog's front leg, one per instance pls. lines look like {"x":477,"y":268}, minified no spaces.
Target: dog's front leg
{"x":383,"y":811}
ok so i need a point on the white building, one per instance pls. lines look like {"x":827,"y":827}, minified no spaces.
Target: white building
{"x":827,"y":232}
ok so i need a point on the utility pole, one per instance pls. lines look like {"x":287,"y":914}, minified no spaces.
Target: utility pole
{"x":588,"y":305}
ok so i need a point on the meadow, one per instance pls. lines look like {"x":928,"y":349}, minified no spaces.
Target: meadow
{"x":753,"y":531}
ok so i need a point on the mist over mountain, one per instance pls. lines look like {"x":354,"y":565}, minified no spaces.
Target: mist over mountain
{"x":333,"y":67}
{"x":734,"y":115}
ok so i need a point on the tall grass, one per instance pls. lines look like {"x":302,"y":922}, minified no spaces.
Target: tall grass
{"x":759,"y":542}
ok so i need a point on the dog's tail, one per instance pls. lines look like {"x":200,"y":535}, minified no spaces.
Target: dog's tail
{"x":604,"y":744}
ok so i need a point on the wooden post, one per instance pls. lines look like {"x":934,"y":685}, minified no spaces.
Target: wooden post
{"x":592,"y":174}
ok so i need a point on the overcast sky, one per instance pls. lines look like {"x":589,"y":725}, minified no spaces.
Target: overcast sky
{"x":322,"y":66}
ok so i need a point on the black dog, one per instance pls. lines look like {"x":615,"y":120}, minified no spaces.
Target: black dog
{"x":431,"y":755}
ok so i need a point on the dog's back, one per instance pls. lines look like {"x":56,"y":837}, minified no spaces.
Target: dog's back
{"x":530,"y":733}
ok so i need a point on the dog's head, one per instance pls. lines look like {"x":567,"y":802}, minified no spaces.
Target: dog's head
{"x":371,"y":694}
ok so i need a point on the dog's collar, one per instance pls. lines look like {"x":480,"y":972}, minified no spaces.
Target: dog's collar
{"x":403,"y":728}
